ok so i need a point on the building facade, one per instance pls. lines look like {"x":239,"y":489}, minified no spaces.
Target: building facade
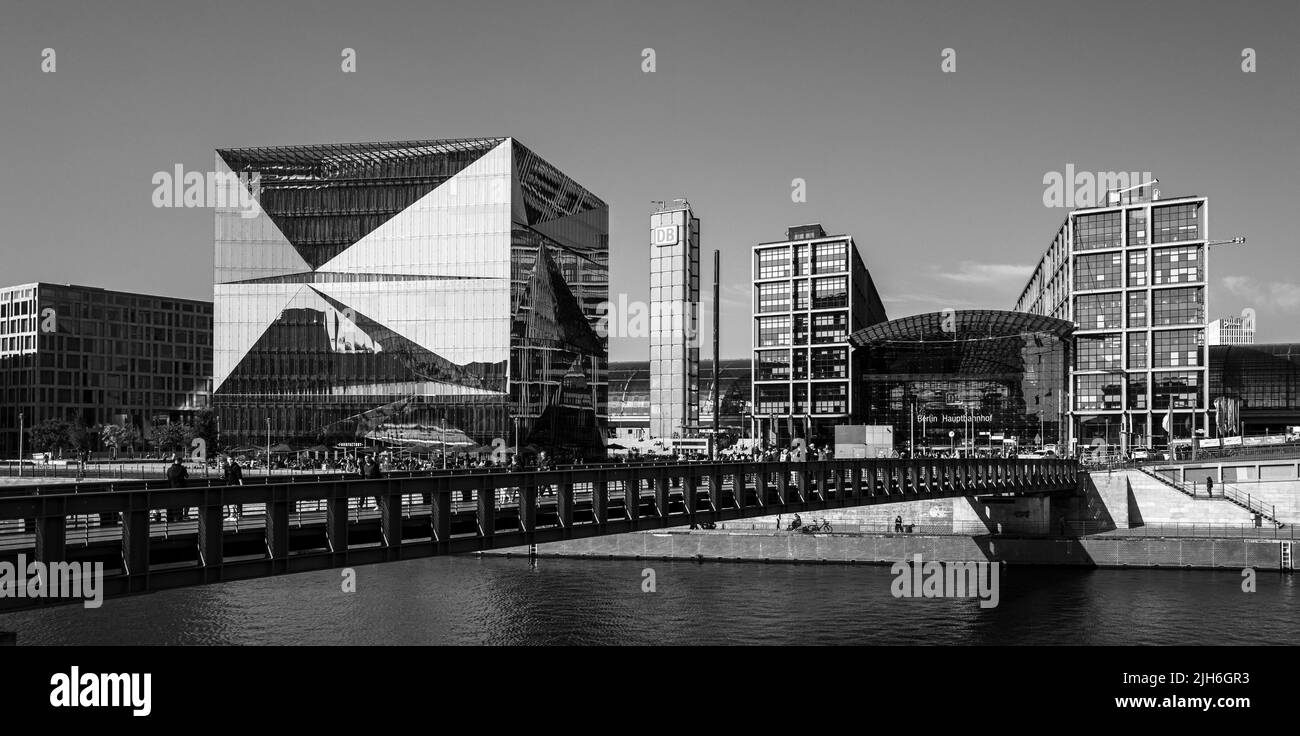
{"x":973,"y":379}
{"x":92,"y":356}
{"x":674,"y":320}
{"x":629,"y":397}
{"x":426,"y":294}
{"x":1132,"y":277}
{"x":1255,"y":389}
{"x":1231,"y":331}
{"x":811,"y":291}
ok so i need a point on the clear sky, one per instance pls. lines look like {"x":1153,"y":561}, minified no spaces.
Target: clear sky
{"x":938,"y":176}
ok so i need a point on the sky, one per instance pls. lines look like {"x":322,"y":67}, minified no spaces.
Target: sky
{"x":938,"y":176}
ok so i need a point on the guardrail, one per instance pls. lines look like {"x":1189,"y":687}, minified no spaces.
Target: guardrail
{"x":993,"y":529}
{"x":462,"y":512}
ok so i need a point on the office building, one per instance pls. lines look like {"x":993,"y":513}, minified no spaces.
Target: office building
{"x":420,"y":294}
{"x":1131,"y":275}
{"x":1255,"y":389}
{"x":978,"y":379}
{"x":674,"y":320}
{"x":811,"y":291}
{"x":93,"y":356}
{"x":1231,"y":331}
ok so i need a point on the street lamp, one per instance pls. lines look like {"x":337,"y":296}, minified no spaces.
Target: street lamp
{"x":20,"y":444}
{"x":268,"y":447}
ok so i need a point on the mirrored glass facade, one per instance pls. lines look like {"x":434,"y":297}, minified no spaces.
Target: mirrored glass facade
{"x":420,"y":293}
{"x":986,"y":376}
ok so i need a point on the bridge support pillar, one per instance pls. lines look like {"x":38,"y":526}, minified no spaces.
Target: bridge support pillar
{"x":564,"y":505}
{"x":600,"y":501}
{"x":51,"y":539}
{"x":528,"y":509}
{"x":389,"y":503}
{"x":135,"y":539}
{"x":211,"y":531}
{"x":690,"y":486}
{"x":760,"y":486}
{"x":277,"y":524}
{"x":336,"y":522}
{"x":661,"y":493}
{"x":487,"y":506}
{"x":632,"y":498}
{"x":440,"y":514}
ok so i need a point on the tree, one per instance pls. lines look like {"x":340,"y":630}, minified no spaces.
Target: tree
{"x":117,"y":437}
{"x":204,"y":427}
{"x":171,"y":437}
{"x":51,"y":435}
{"x":79,"y":436}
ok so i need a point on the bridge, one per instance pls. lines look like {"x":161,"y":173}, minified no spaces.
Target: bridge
{"x":316,"y":523}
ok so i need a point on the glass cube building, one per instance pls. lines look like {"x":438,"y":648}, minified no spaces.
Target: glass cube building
{"x":427,"y":294}
{"x":674,"y":320}
{"x":1132,"y":276}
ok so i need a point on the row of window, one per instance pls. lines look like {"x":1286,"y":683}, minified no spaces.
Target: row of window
{"x":1106,"y":392}
{"x":787,"y":330}
{"x":826,"y":398}
{"x":1171,"y":349}
{"x":827,"y":293}
{"x":1170,"y":224}
{"x":1177,"y":265}
{"x":830,"y":257}
{"x":782,"y":365}
{"x":1184,"y":306}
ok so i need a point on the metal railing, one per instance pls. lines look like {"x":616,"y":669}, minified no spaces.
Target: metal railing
{"x":1072,"y":529}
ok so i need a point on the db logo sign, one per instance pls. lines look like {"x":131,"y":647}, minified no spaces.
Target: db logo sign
{"x":663,"y":235}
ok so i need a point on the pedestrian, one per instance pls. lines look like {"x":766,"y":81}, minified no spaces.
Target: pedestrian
{"x":177,"y":474}
{"x":233,"y":475}
{"x":1209,"y":487}
{"x":898,"y":523}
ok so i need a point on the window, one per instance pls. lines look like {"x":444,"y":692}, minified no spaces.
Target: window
{"x":801,"y":294}
{"x":830,"y":398}
{"x":1177,"y":348}
{"x":1099,"y":230}
{"x":1098,"y":352}
{"x":774,"y":297}
{"x":773,"y":263}
{"x":801,"y":329}
{"x":830,"y":363}
{"x":1176,"y":265}
{"x":1137,"y":268}
{"x":801,"y":260}
{"x":1176,"y":222}
{"x":1137,"y":309}
{"x":1098,"y":271}
{"x":831,"y":327}
{"x":773,"y":331}
{"x":831,"y":257}
{"x":801,"y":363}
{"x":1177,"y":307}
{"x":1137,"y":227}
{"x":1137,"y":350}
{"x":1137,"y":391}
{"x":773,"y":399}
{"x":1098,"y":393}
{"x":1099,"y":311}
{"x":800,"y":393}
{"x":772,"y":365}
{"x":831,"y":293}
{"x":1182,"y":387}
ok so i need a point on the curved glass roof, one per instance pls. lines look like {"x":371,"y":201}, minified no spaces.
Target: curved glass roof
{"x":967,"y":325}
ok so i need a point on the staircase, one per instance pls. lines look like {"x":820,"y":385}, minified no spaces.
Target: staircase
{"x":1226,"y":495}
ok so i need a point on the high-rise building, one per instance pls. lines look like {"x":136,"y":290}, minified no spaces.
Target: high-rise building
{"x":1132,"y":276}
{"x":811,"y":291}
{"x":93,"y":356}
{"x":428,"y":294}
{"x":1231,"y":331}
{"x":674,"y":320}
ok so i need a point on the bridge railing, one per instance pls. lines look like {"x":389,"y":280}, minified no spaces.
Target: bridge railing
{"x":405,"y":515}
